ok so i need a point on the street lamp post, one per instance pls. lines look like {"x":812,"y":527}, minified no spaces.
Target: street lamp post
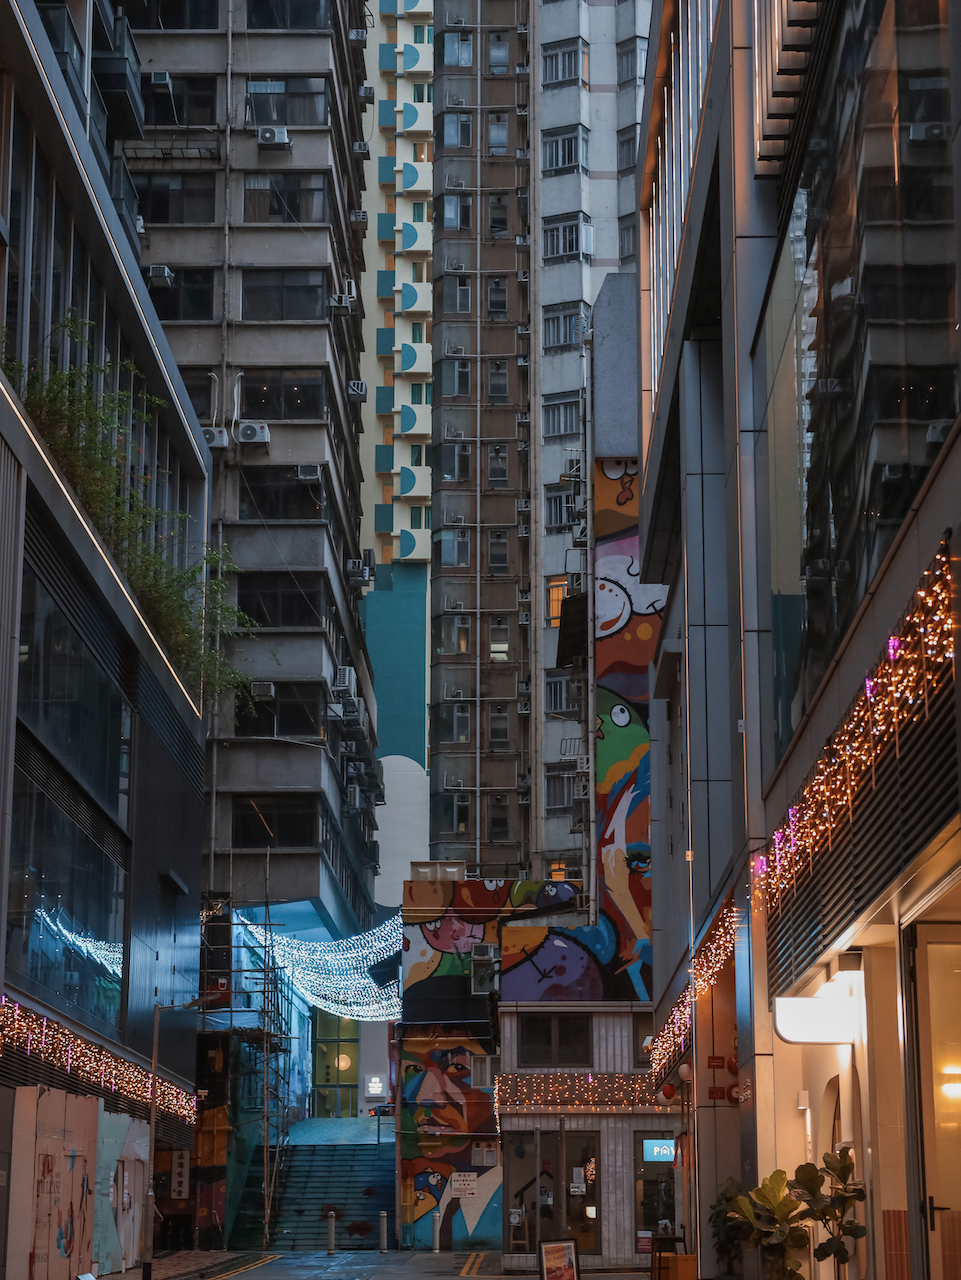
{"x":150,"y":1201}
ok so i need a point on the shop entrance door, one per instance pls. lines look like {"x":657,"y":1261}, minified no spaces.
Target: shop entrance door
{"x":938,"y":974}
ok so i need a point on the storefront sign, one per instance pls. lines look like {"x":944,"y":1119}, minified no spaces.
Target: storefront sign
{"x":715,"y":1063}
{"x":658,"y":1149}
{"x":179,"y":1175}
{"x":463,"y":1185}
{"x":375,"y":1086}
{"x":559,"y":1261}
{"x":716,"y":1093}
{"x":644,"y":1239}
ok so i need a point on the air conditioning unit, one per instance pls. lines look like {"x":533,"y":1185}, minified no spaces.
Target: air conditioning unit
{"x":357,"y":571}
{"x":581,"y":790}
{"x":357,"y":37}
{"x":262,"y":690}
{"x":253,"y":432}
{"x":523,"y":362}
{"x":362,"y":149}
{"x":310,"y":471}
{"x":345,"y":681}
{"x":523,"y":504}
{"x":366,"y":93}
{"x":523,"y":596}
{"x":933,"y":131}
{"x":583,"y":764}
{"x":159,"y":277}
{"x":161,"y":80}
{"x":358,"y":217}
{"x":524,"y":708}
{"x":483,"y":1070}
{"x":455,"y":184}
{"x":341,"y":304}
{"x":523,"y":531}
{"x":587,"y":240}
{"x":452,"y":433}
{"x":523,"y":276}
{"x":523,"y":686}
{"x":485,"y":967}
{"x":217,"y":437}
{"x":523,"y":417}
{"x":354,"y":796}
{"x":576,"y":583}
{"x":524,"y":619}
{"x":350,"y":287}
{"x":357,"y":392}
{"x":273,"y":137}
{"x":141,"y":225}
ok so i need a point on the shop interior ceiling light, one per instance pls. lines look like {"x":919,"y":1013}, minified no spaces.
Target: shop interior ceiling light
{"x":917,"y":659}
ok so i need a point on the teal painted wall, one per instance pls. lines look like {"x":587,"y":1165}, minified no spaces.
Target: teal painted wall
{"x":394,"y":615}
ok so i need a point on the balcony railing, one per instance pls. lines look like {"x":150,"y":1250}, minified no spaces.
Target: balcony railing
{"x":66,"y":45}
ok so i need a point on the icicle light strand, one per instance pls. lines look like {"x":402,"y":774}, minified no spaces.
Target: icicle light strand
{"x":915,"y":662}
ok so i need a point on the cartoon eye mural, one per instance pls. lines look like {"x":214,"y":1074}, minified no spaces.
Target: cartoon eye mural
{"x":631,"y":466}
{"x":614,"y":468}
{"x":621,"y":715}
{"x":621,"y":733}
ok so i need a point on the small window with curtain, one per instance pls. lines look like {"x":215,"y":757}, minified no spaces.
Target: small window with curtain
{"x":498,"y":53}
{"x":294,"y":295}
{"x":555,"y":588}
{"x":294,"y":100}
{"x":497,"y":553}
{"x":176,"y":198}
{"x":285,"y":197}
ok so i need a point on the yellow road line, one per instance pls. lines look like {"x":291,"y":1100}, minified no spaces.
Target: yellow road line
{"x":480,"y":1259}
{"x":249,"y":1266}
{"x":465,"y":1270}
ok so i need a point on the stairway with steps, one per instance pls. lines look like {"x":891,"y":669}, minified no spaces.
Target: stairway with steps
{"x":356,"y":1181}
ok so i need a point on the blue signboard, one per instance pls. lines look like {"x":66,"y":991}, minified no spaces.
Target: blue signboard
{"x":658,"y":1149}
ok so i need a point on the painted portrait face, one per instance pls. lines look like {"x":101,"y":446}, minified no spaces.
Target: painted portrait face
{"x":439,"y":1100}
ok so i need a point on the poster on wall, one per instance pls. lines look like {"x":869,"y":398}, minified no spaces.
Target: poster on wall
{"x":559,"y":1260}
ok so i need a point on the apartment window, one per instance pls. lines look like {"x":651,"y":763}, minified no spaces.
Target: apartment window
{"x":191,"y":101}
{"x":565,"y":328}
{"x":564,"y":150}
{"x":288,"y":15}
{"x":284,"y":295}
{"x":454,"y":460}
{"x":631,"y":55}
{"x":457,"y":129}
{"x":497,"y":134}
{"x":497,"y":462}
{"x":451,"y":722}
{"x":498,"y":726}
{"x":450,"y":813}
{"x":554,"y":1040}
{"x":457,"y":213}
{"x":559,"y":700}
{"x":295,"y":711}
{"x":415,"y":517}
{"x":175,"y":198}
{"x":451,"y":633}
{"x":275,"y":822}
{"x":278,"y":493}
{"x":458,"y":48}
{"x":556,"y":590}
{"x":455,"y":378}
{"x":190,"y":296}
{"x":627,"y":238}
{"x":278,"y":394}
{"x":497,"y":215}
{"x":285,"y":197}
{"x":564,"y":62}
{"x":498,"y":53}
{"x":295,"y":100}
{"x":569,"y":237}
{"x":281,"y":599}
{"x":559,"y":786}
{"x":173,"y":15}
{"x":198,"y":385}
{"x":562,"y":416}
{"x":626,"y":148}
{"x":497,"y":298}
{"x":423,"y":93}
{"x":498,"y":817}
{"x":423,"y":34}
{"x":454,"y":547}
{"x":457,"y":294}
{"x":497,"y":564}
{"x":558,"y":506}
{"x":497,"y":388}
{"x":500,"y":635}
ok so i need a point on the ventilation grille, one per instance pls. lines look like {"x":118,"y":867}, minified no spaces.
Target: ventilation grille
{"x":159,"y":714}
{"x":913,"y":798}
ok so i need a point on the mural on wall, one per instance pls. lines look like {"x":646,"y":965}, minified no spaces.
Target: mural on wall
{"x":627,"y":619}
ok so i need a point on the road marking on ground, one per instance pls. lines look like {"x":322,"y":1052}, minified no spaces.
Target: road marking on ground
{"x":480,"y":1259}
{"x":249,"y":1266}
{"x":465,"y":1270}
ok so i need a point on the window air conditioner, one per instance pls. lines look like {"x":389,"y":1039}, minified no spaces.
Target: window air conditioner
{"x":353,"y":796}
{"x":357,"y":392}
{"x":159,"y":277}
{"x":523,"y":531}
{"x":357,"y":37}
{"x":583,"y":764}
{"x":581,"y":790}
{"x":929,"y":131}
{"x":524,"y":708}
{"x":366,"y":93}
{"x":362,"y":148}
{"x":345,"y":681}
{"x":273,"y":137}
{"x":262,"y":690}
{"x":524,"y":619}
{"x":341,"y":304}
{"x":161,"y":80}
{"x":253,"y":433}
{"x":141,"y":225}
{"x":350,"y":288}
{"x":309,"y":471}
{"x":523,"y":504}
{"x":217,"y":437}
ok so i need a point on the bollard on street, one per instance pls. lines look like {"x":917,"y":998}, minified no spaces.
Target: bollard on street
{"x":331,"y":1233}
{"x":383,"y":1230}
{"x":436,"y":1217}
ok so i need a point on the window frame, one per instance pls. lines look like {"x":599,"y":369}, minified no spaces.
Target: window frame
{"x":565,"y":62}
{"x":558,"y":1039}
{"x":558,"y":157}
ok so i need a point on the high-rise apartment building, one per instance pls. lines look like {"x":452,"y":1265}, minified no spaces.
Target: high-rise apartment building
{"x":250,"y":179}
{"x":103,"y":520}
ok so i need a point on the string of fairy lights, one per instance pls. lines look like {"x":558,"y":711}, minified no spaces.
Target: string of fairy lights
{"x":582,"y":1090}
{"x":674,"y":1037}
{"x":109,"y":955}
{"x":334,"y":976}
{"x":916,"y":660}
{"x":57,"y":1045}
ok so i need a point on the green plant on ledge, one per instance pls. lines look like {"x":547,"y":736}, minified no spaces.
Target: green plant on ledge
{"x":86,"y":425}
{"x":772,"y":1220}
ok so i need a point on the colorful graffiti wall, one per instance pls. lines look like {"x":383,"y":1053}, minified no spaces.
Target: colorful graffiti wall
{"x":627,"y":618}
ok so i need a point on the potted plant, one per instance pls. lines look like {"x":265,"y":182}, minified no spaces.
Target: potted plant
{"x":772,"y":1221}
{"x":833,"y":1207}
{"x":728,"y":1231}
